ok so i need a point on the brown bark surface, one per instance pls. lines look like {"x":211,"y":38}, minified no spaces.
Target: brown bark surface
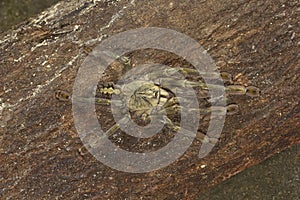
{"x":42,"y":156}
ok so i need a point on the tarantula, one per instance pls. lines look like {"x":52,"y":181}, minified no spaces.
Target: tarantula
{"x":145,"y":99}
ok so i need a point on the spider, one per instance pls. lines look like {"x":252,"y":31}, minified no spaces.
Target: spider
{"x":146,"y":99}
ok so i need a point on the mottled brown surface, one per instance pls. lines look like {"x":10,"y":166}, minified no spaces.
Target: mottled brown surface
{"x":41,"y":155}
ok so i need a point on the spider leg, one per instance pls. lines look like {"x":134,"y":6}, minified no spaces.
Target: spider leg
{"x":171,"y":72}
{"x":62,"y":95}
{"x":116,"y":126}
{"x":231,"y":89}
{"x":219,"y":110}
{"x":178,"y":85}
{"x":109,"y":88}
{"x":194,"y":72}
{"x":65,"y":96}
{"x":100,"y":101}
{"x":199,"y":135}
{"x":175,"y":82}
{"x":172,"y":106}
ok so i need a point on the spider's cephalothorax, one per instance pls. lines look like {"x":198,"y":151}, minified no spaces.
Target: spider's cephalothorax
{"x":144,"y":100}
{"x":147,"y":97}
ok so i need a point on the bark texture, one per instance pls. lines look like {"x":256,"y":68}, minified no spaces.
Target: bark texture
{"x":41,"y":155}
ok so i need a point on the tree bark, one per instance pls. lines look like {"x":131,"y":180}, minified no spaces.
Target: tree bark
{"x":42,"y":156}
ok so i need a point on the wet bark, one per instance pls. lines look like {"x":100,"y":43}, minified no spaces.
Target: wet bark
{"x":42,"y":156}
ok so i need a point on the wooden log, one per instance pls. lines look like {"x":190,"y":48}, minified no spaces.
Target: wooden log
{"x":42,"y":156}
